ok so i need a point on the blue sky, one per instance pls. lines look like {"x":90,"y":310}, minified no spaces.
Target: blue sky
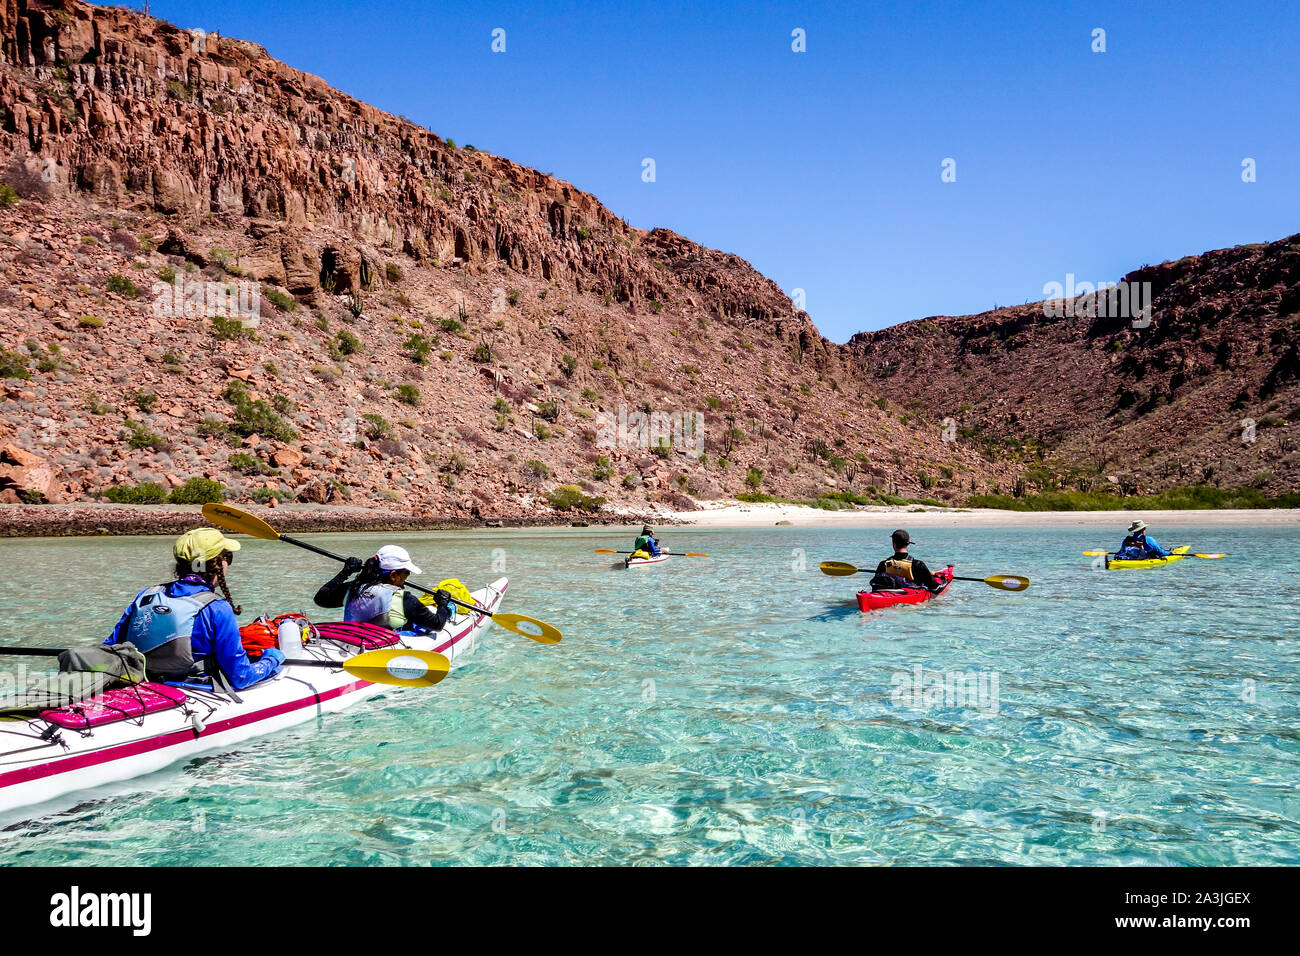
{"x":823,"y":168}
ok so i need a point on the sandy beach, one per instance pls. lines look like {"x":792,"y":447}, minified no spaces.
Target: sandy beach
{"x":733,"y":514}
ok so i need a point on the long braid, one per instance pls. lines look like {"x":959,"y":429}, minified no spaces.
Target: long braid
{"x":219,"y":578}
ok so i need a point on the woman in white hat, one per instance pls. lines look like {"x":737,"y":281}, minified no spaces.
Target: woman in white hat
{"x":184,"y":626}
{"x":1140,"y":545}
{"x":378,"y":594}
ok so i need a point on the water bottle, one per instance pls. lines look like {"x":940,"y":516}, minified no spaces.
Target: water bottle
{"x":289,"y":638}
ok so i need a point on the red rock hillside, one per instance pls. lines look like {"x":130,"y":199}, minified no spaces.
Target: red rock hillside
{"x":439,"y":328}
{"x":1096,"y":398}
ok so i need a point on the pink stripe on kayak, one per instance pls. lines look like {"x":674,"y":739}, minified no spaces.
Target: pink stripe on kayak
{"x":137,"y":747}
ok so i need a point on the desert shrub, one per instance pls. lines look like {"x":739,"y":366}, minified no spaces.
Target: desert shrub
{"x":263,"y":495}
{"x":247,"y":464}
{"x":7,"y":195}
{"x":142,"y":437}
{"x":604,"y":469}
{"x":345,"y":344}
{"x":540,"y":431}
{"x":449,"y":325}
{"x":227,"y":330}
{"x":408,"y":395}
{"x":94,"y":405}
{"x":122,"y":286}
{"x":377,"y":426}
{"x":550,"y":411}
{"x":214,"y":428}
{"x":256,"y":417}
{"x":482,"y":353}
{"x":90,"y":322}
{"x":283,"y":302}
{"x":14,"y":365}
{"x":145,"y":401}
{"x":571,"y":497}
{"x":754,"y":478}
{"x":538,"y":469}
{"x":393,"y":272}
{"x":418,"y":348}
{"x":148,"y":493}
{"x":198,"y":491}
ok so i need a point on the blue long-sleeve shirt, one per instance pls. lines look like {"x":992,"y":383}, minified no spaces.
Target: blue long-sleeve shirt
{"x":1146,"y":547}
{"x":215,"y":629}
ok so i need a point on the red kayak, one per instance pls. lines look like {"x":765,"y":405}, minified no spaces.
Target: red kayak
{"x":874,"y":600}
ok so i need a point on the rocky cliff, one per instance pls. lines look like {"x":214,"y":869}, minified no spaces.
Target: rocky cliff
{"x":215,"y":265}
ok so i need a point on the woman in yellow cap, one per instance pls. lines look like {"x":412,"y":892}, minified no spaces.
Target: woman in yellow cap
{"x":184,"y":625}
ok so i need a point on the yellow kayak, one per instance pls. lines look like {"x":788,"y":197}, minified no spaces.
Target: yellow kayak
{"x":1178,"y":554}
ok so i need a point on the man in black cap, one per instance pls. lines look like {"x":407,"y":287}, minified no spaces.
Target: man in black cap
{"x":903,"y":571}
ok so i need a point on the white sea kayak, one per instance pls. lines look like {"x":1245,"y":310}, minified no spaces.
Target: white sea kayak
{"x":632,"y":562}
{"x":43,"y":759}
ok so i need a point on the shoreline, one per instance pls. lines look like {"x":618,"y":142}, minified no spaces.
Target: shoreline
{"x":94,"y":519}
{"x":765,"y":515}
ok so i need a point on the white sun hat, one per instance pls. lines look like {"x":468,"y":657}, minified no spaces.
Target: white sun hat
{"x":393,"y":558}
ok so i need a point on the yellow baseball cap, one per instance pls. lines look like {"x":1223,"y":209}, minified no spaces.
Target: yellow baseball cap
{"x":202,"y":543}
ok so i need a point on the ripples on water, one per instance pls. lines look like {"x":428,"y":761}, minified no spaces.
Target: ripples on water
{"x":735,"y":709}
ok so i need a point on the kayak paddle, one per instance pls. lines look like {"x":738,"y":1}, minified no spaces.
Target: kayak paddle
{"x":400,"y":666}
{"x":241,"y":522}
{"x":684,"y":554}
{"x":1111,"y":554}
{"x":1004,"y":582}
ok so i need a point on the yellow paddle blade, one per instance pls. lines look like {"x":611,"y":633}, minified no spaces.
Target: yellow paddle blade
{"x":606,"y":551}
{"x":241,"y":522}
{"x":1095,"y":554}
{"x":837,"y":569}
{"x":400,"y":666}
{"x":1007,"y":582}
{"x":694,"y":554}
{"x":539,"y":631}
{"x":1221,"y":554}
{"x":529,"y":627}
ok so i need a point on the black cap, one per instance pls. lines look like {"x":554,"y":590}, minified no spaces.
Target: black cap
{"x":901,"y":538}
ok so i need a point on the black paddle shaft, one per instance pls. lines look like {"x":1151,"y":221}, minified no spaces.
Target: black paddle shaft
{"x":414,"y":587}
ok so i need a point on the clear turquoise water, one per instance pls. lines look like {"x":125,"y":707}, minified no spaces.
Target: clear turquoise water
{"x":738,"y":709}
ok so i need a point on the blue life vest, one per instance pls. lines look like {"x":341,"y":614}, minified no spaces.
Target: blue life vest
{"x":161,"y":627}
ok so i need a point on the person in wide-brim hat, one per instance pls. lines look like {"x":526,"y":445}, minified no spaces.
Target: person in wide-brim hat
{"x":1138,"y":545}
